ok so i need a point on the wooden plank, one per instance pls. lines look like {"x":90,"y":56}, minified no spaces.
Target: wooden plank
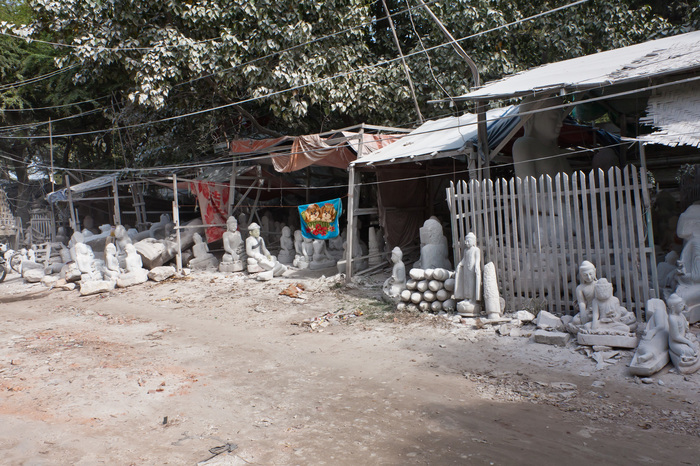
{"x":577,"y":212}
{"x":501,"y":235}
{"x":587,"y":240}
{"x":117,"y":214}
{"x":646,"y":203}
{"x":543,"y":216}
{"x":638,"y":201}
{"x":556,"y":248}
{"x":620,"y":228}
{"x":525,"y":238}
{"x":515,"y":252}
{"x":452,"y":207}
{"x":606,"y":199}
{"x":631,"y":252}
{"x":595,"y":228}
{"x":537,"y":224}
{"x":460,"y":202}
{"x":486,"y":211}
{"x":565,"y":227}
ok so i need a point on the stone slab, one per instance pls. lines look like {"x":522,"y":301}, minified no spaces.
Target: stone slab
{"x":33,"y":275}
{"x":547,"y":337}
{"x":547,"y":320}
{"x":613,"y":341}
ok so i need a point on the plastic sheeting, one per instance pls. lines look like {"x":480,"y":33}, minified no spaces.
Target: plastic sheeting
{"x":97,"y":183}
{"x":313,"y":150}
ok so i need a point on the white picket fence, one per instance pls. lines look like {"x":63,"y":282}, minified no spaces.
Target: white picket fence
{"x":538,"y":231}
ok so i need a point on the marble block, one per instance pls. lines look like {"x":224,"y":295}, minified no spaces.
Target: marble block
{"x":611,"y":340}
{"x":229,"y":267}
{"x":96,"y":286}
{"x":547,"y":337}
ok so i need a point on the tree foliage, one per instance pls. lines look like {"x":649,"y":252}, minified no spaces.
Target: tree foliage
{"x":279,"y":66}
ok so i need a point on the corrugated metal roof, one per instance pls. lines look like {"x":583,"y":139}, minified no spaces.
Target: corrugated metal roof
{"x":445,"y":136}
{"x":663,"y":56}
{"x":675,"y":111}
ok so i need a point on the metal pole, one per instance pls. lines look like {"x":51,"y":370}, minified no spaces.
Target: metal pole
{"x":403,"y":60}
{"x":482,"y":135}
{"x":176,"y":220}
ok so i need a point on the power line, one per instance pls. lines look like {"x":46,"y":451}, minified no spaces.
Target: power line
{"x":32,"y":109}
{"x":36,"y":79}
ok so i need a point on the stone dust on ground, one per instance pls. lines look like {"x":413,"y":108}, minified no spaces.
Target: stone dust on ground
{"x":217,"y":368}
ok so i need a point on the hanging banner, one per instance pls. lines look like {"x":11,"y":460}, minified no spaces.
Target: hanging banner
{"x":320,"y":221}
{"x":213,"y":203}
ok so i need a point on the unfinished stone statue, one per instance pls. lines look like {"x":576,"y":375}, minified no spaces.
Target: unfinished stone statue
{"x":359,"y":249}
{"x":611,"y":324}
{"x":320,"y":258}
{"x":688,"y":275}
{"x":85,"y":260}
{"x":111,"y":270}
{"x":202,"y":259}
{"x":433,"y":251}
{"x":682,"y":344}
{"x":335,"y":246}
{"x":135,"y":273}
{"x":301,"y":260}
{"x":394,"y":285}
{"x":666,"y":270}
{"x":259,"y":258}
{"x":585,"y":292}
{"x":468,"y":279}
{"x":61,"y":236}
{"x":162,"y":228}
{"x":535,"y":153}
{"x":373,"y":245}
{"x":652,"y":351}
{"x":492,"y":298}
{"x":286,"y":255}
{"x":232,"y":260}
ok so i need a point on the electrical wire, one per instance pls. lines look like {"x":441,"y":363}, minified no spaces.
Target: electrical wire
{"x":36,"y":79}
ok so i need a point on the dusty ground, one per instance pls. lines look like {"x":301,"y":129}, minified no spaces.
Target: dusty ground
{"x":161,"y":373}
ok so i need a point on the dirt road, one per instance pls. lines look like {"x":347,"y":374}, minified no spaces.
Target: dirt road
{"x":161,"y":373}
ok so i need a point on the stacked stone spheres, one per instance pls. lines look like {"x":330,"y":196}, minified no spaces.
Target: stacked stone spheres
{"x":428,"y":290}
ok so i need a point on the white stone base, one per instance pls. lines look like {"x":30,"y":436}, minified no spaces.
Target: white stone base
{"x":650,"y":367}
{"x":468,"y":309}
{"x":230,"y":267}
{"x":684,"y":367}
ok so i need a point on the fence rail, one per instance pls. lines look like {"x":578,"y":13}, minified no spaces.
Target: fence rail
{"x":538,"y":231}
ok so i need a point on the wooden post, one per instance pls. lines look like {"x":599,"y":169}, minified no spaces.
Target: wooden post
{"x":351,"y":224}
{"x":117,"y":212}
{"x":73,"y":220}
{"x":176,"y":220}
{"x":647,"y":216}
{"x":231,"y":187}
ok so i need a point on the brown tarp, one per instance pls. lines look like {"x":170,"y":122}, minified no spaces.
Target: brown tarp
{"x":246,"y":146}
{"x":313,"y":150}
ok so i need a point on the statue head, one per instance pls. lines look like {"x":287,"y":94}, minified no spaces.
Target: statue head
{"x":587,"y":272}
{"x":671,"y":257}
{"x":689,"y":222}
{"x":297,"y":235}
{"x":675,"y":304}
{"x":88,"y":222}
{"x":603,"y":289}
{"x":130,"y":249}
{"x":111,"y":249}
{"x":396,"y":254}
{"x":431,"y":232}
{"x":254,"y":230}
{"x":286,"y":232}
{"x":232,"y":224}
{"x":197,"y":238}
{"x":544,"y":123}
{"x":470,"y":240}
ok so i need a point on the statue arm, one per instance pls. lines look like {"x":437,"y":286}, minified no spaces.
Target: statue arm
{"x":596,"y":315}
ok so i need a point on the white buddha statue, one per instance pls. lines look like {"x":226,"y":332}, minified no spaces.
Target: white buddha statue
{"x":259,"y":258}
{"x":468,"y":279}
{"x":652,"y":351}
{"x":394,"y":285}
{"x":683,"y":346}
{"x":232,"y":260}
{"x":537,"y":152}
{"x":320,"y":258}
{"x":688,"y":275}
{"x":202,"y":259}
{"x":286,"y":254}
{"x":433,"y":252}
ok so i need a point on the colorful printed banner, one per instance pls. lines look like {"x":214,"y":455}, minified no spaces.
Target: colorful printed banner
{"x":320,"y":221}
